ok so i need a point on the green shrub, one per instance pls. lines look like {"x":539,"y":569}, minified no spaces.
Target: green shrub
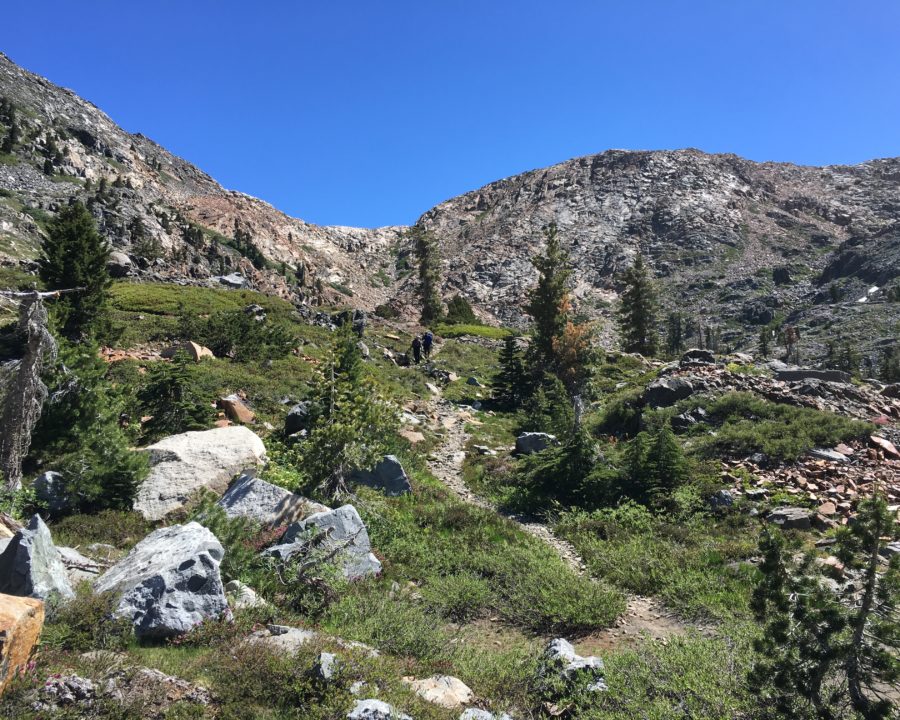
{"x":172,"y":400}
{"x":749,"y":424}
{"x":238,"y":335}
{"x":459,"y":312}
{"x":459,"y":597}
{"x":86,"y":623}
{"x":119,"y":528}
{"x":485,"y":331}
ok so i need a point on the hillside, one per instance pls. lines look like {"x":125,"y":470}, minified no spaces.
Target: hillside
{"x":712,"y":227}
{"x":142,"y":180}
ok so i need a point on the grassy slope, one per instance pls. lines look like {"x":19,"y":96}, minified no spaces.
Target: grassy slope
{"x":448,"y":566}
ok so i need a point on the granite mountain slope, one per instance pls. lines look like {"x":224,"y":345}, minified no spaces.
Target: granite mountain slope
{"x":735,"y":244}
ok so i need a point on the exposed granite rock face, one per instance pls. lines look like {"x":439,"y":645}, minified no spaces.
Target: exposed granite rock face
{"x":31,"y":566}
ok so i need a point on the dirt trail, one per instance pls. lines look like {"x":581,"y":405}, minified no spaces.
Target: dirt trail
{"x":643,"y":617}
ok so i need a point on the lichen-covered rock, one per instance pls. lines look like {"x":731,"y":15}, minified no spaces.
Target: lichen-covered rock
{"x":265,"y":503}
{"x":180,"y":465}
{"x":169,"y":582}
{"x":335,"y":536}
{"x":21,"y":622}
{"x":478,"y":714}
{"x":31,"y":566}
{"x":388,"y":475}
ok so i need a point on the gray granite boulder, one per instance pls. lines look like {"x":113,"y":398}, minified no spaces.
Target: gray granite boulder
{"x":169,"y":581}
{"x":335,"y":536}
{"x":181,"y":465}
{"x":265,"y":503}
{"x":299,"y":418}
{"x":667,"y":391}
{"x":791,"y":518}
{"x":795,"y":374}
{"x":534,"y":442}
{"x":388,"y":475}
{"x":50,"y":489}
{"x":31,"y":566}
{"x":478,"y":714}
{"x":698,"y":356}
{"x":562,"y":662}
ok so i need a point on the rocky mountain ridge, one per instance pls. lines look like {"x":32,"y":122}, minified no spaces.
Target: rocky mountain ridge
{"x":736,"y":245}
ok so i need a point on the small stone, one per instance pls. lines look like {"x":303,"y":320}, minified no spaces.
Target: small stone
{"x":443,"y":690}
{"x":375,"y":710}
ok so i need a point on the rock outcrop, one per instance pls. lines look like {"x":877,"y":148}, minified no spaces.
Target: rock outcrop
{"x":169,"y":582}
{"x":533,"y":442}
{"x":31,"y":566}
{"x":181,"y":465}
{"x":388,"y":476}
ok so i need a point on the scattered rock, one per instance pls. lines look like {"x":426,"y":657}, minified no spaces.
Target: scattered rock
{"x":884,"y":445}
{"x":300,"y":417}
{"x":78,"y":567}
{"x":412,"y":436}
{"x":169,"y":581}
{"x":561,"y":661}
{"x":283,"y":638}
{"x":265,"y":503}
{"x":21,"y":622}
{"x":827,"y":509}
{"x":698,"y":356}
{"x":791,"y":518}
{"x":236,"y":410}
{"x":474,"y":382}
{"x":667,"y":391}
{"x":243,"y":596}
{"x":484,"y":450}
{"x":194,"y":351}
{"x":119,"y":264}
{"x":477,"y":714}
{"x":721,"y":499}
{"x":31,"y":566}
{"x":180,"y":465}
{"x":892,"y":548}
{"x":756,"y":494}
{"x":375,"y":710}
{"x":534,"y":442}
{"x":326,"y":665}
{"x":234,"y":280}
{"x":65,"y":691}
{"x":388,"y":475}
{"x":825,"y":454}
{"x":443,"y":690}
{"x":336,"y":535}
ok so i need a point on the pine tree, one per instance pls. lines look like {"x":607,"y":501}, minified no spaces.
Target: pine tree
{"x":459,"y":312}
{"x":825,"y":647}
{"x":80,"y":435}
{"x":354,"y":425}
{"x":763,"y":346}
{"x":637,"y":312}
{"x":13,"y":134}
{"x":426,"y":251}
{"x":548,"y":303}
{"x":75,"y":256}
{"x":674,"y":334}
{"x":665,"y":463}
{"x":889,"y":367}
{"x":510,"y":382}
{"x":172,"y":400}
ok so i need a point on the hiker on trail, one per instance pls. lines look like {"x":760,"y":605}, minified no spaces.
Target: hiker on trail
{"x":427,"y":341}
{"x":417,"y":350}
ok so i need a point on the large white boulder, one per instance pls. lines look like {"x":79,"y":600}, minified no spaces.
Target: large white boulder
{"x":372,"y":709}
{"x":31,"y":566}
{"x":169,"y":582}
{"x":561,"y":660}
{"x":443,"y":690}
{"x":180,"y":465}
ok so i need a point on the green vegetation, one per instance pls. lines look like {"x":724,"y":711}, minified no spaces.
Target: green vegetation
{"x":747,"y":424}
{"x":461,"y":330}
{"x":637,"y":312}
{"x":171,"y":399}
{"x":426,"y":251}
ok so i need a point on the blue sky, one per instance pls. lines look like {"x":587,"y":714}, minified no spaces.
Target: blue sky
{"x":369,"y":113}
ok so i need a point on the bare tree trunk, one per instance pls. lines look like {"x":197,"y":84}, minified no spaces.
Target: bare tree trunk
{"x":26,"y":393}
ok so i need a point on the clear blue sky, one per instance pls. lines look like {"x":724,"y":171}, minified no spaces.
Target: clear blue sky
{"x":370,"y":112}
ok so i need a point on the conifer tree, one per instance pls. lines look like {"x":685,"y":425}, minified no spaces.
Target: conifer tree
{"x":829,"y":647}
{"x":459,"y":311}
{"x":674,"y":334}
{"x":510,"y":382}
{"x":172,"y":400}
{"x":763,"y":347}
{"x":665,"y":464}
{"x":637,"y":311}
{"x":79,"y":434}
{"x":426,"y":251}
{"x":75,"y":256}
{"x":548,"y":302}
{"x":354,"y":423}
